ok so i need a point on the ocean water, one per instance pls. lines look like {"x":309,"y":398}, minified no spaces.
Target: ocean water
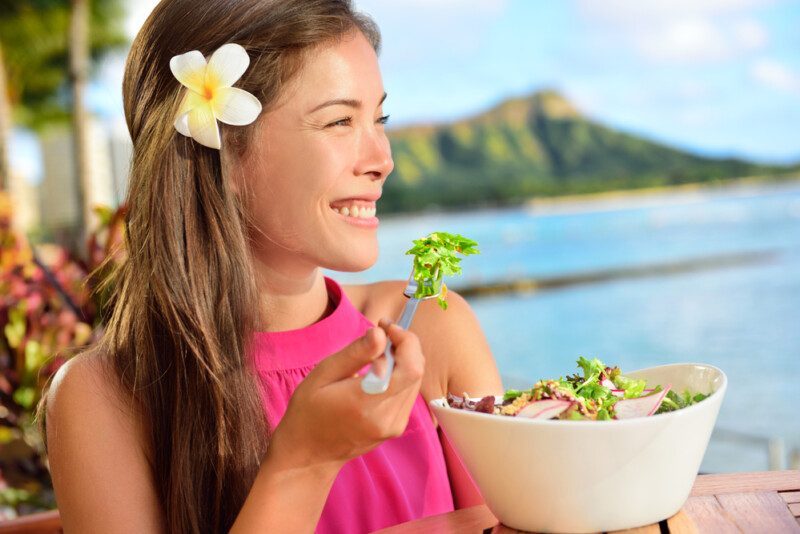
{"x":744,"y":318}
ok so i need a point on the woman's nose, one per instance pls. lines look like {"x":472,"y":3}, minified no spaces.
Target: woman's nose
{"x":375,"y":154}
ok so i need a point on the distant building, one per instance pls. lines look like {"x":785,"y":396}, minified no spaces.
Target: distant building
{"x":59,"y":191}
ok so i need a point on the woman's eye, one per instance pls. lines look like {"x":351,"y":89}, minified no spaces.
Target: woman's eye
{"x":341,"y":122}
{"x":346,"y":121}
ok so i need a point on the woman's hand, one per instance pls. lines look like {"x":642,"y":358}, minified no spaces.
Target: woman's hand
{"x":330,"y":420}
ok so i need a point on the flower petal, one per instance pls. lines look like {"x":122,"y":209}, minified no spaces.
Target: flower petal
{"x":235,"y":106}
{"x":203,"y":126}
{"x":226,"y":65}
{"x":190,"y":101}
{"x":182,"y":124}
{"x":189,"y":69}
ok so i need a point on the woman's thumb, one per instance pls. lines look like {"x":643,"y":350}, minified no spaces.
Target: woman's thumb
{"x":353,"y":357}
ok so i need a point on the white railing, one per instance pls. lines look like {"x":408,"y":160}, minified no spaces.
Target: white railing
{"x":774,"y":447}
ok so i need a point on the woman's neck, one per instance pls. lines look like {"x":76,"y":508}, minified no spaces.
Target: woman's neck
{"x":292,"y":302}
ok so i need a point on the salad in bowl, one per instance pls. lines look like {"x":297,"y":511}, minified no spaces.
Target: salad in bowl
{"x":593,"y":452}
{"x":600,"y":393}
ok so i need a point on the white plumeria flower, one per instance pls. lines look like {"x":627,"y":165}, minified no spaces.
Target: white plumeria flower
{"x":210,"y":96}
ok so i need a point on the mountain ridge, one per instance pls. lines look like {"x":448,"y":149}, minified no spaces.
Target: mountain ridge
{"x":536,"y":145}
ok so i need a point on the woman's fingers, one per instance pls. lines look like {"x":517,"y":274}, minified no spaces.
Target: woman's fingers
{"x":349,"y":360}
{"x":330,"y":418}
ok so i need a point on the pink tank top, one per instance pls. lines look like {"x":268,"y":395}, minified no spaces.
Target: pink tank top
{"x":402,"y":479}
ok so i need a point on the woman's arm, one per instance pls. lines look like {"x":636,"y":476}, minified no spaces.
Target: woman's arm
{"x":103,"y":479}
{"x":464,"y":351}
{"x":459,"y":360}
{"x":286,"y":496}
{"x":458,"y":357}
{"x":100,"y":471}
{"x":340,"y":422}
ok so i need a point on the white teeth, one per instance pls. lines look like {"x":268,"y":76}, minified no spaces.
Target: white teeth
{"x":363,"y":212}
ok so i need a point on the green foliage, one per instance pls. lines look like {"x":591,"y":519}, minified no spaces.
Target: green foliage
{"x":633,"y":388}
{"x":591,"y":368}
{"x":535,"y":146}
{"x":51,"y":305}
{"x":434,"y":257}
{"x":34,"y":37}
{"x":673,"y":401}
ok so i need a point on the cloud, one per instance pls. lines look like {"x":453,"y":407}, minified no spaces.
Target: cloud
{"x":750,"y":34}
{"x":682,"y":40}
{"x":631,"y":12}
{"x":679,"y":31}
{"x":138,"y":12}
{"x":416,"y":30}
{"x":776,"y":75}
{"x":699,"y":40}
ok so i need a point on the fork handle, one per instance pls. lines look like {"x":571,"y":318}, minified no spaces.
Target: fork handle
{"x":372,"y":383}
{"x":408,"y":313}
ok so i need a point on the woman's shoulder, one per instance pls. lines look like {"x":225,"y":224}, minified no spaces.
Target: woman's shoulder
{"x":96,"y":447}
{"x":84,"y":377}
{"x":85,"y":389}
{"x":378,"y":299}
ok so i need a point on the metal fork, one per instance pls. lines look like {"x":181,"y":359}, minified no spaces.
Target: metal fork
{"x":373,"y":383}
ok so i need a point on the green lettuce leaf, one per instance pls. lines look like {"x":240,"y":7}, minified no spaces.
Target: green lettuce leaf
{"x":434,"y":257}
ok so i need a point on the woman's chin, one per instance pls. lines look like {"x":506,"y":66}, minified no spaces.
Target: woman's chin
{"x":353,"y":264}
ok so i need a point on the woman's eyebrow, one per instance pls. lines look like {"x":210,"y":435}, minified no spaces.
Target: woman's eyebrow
{"x":344,"y":102}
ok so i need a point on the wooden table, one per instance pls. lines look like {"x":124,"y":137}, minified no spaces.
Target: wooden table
{"x":766,"y":502}
{"x":742,"y":502}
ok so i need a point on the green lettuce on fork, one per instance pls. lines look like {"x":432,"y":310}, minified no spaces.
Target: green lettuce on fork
{"x":600,"y":393}
{"x":436,"y":256}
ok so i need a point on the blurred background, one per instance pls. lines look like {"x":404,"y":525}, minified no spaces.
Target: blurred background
{"x":630,"y":170}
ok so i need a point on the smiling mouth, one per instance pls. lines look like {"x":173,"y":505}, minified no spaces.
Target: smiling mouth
{"x":361,"y":210}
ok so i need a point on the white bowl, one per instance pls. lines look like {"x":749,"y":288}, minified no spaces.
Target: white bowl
{"x":589,"y":476}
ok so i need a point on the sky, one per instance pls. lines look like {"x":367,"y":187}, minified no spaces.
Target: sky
{"x":715,"y":77}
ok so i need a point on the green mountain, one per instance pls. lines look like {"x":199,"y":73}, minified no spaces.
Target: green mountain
{"x":538,"y":145}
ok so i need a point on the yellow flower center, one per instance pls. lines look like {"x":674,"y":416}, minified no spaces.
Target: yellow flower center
{"x":208,"y":92}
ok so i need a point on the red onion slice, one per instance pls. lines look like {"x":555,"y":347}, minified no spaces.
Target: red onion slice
{"x":544,"y":409}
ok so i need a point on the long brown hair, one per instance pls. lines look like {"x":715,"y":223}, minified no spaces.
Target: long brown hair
{"x":186,"y":299}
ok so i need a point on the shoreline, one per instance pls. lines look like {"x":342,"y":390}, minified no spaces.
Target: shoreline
{"x":531,"y":284}
{"x":656,"y":196}
{"x":620,"y":199}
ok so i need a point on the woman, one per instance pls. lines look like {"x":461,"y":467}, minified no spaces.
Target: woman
{"x":225,"y":393}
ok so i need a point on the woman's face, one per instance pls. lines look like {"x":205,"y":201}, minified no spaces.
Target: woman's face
{"x":313,"y":154}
